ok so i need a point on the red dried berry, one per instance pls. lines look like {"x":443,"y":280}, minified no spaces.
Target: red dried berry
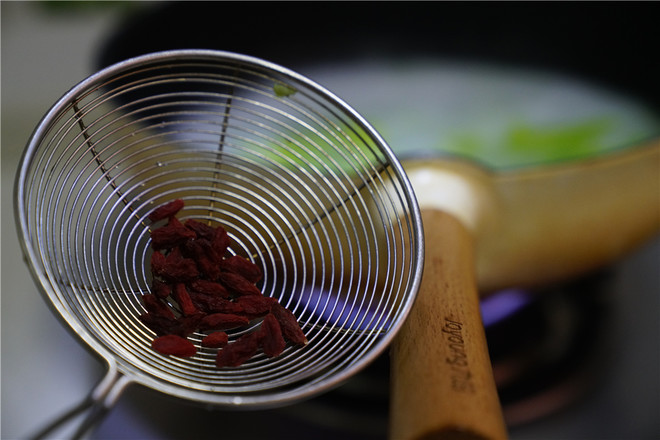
{"x":209,"y":288}
{"x":290,"y":328}
{"x":170,"y":235}
{"x":188,"y":324}
{"x":159,"y":324}
{"x":160,"y":289}
{"x":255,"y":305}
{"x":215,"y":340}
{"x":158,"y":262}
{"x":156,"y":307}
{"x":238,"y":285}
{"x":166,"y":211}
{"x":174,"y":256}
{"x":183,"y":299}
{"x":174,"y":345}
{"x":202,"y":230}
{"x":221,"y":240}
{"x":222,"y":321}
{"x":272,"y":341}
{"x":214,"y":304}
{"x":181,"y":326}
{"x":239,"y":351}
{"x":207,"y":260}
{"x":243,"y":267}
{"x":178,"y":269}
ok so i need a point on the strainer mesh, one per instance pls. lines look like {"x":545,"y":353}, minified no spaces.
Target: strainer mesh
{"x":303,"y":186}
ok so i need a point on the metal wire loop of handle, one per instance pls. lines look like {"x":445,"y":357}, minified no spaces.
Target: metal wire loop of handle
{"x":90,"y":411}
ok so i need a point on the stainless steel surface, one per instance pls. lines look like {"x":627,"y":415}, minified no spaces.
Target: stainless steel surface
{"x":303,"y":185}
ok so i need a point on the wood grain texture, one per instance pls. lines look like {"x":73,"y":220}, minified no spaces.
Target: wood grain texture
{"x":442,"y":382}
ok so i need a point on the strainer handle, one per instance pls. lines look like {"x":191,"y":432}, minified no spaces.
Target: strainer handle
{"x":88,"y":413}
{"x":442,"y":380}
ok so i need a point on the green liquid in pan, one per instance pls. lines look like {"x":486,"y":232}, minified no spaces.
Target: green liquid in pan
{"x":503,"y":118}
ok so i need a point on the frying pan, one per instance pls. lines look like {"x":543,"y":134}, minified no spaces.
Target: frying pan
{"x":590,"y":45}
{"x":526,"y":223}
{"x":564,"y":241}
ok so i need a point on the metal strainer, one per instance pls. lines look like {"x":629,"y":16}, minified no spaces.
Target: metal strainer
{"x":304,"y":186}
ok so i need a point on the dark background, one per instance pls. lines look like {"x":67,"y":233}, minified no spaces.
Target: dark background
{"x":614,"y":44}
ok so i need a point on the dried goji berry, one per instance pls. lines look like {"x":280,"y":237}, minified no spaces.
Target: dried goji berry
{"x":239,"y":351}
{"x":214,"y":304}
{"x":173,"y":255}
{"x":255,"y":305}
{"x":210,"y":252}
{"x":158,"y":262}
{"x":188,"y":324}
{"x":170,"y":235}
{"x":215,"y":340}
{"x":207,"y":260}
{"x":167,"y":210}
{"x":243,"y":267}
{"x":185,"y":271}
{"x":272,"y":341}
{"x":209,"y":287}
{"x":221,"y":240}
{"x":159,"y":324}
{"x":202,"y":230}
{"x":238,"y":285}
{"x":290,"y":328}
{"x":181,"y":326}
{"x":160,"y":289}
{"x":178,"y":269}
{"x":174,"y":345}
{"x":155,"y":306}
{"x":183,"y":299}
{"x":222,"y":321}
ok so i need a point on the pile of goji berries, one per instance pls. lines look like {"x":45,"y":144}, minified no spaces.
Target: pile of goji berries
{"x":196,"y":288}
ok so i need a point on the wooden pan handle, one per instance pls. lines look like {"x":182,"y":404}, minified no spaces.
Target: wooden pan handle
{"x":442,"y":381}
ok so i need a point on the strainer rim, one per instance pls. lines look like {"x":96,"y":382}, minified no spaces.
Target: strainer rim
{"x":138,"y":376}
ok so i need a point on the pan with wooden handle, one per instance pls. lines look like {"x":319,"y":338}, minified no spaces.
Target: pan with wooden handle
{"x":539,"y":225}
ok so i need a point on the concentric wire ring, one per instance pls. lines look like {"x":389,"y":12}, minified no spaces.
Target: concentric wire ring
{"x":304,"y":186}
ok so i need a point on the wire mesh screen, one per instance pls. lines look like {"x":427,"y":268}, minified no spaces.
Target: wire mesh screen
{"x":303,"y":186}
